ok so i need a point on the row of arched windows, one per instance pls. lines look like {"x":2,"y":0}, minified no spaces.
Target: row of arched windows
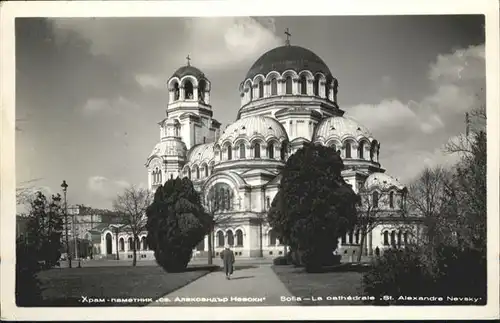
{"x":396,"y":238}
{"x":376,"y":199}
{"x":220,"y":197}
{"x":189,"y":91}
{"x":351,"y":237}
{"x":361,"y":150}
{"x":230,"y":238}
{"x":242,"y":151}
{"x":195,"y":172}
{"x":288,"y":81}
{"x":139,"y":245}
{"x":156,"y":176}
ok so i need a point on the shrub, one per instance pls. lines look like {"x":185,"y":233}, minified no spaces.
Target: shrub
{"x":441,"y":272}
{"x":280,"y":261}
{"x":28,"y":291}
{"x":314,"y":205}
{"x":176,"y":223}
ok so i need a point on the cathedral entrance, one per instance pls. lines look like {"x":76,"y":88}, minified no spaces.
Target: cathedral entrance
{"x":109,"y":247}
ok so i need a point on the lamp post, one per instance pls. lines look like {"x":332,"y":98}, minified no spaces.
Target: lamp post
{"x":65,"y":188}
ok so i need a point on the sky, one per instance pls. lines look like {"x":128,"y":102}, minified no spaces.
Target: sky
{"x":90,"y":91}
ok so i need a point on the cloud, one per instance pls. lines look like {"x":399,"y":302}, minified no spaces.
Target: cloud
{"x":116,"y":106}
{"x":151,"y":81}
{"x":221,"y":41}
{"x":423,"y":127}
{"x":106,"y":188}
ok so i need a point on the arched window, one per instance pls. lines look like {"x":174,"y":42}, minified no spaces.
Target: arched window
{"x":393,"y":238}
{"x":334,"y":147}
{"x":230,"y":238}
{"x":212,"y":168}
{"x":229,"y":152}
{"x":242,"y":151}
{"x":283,"y":151}
{"x":261,"y":89}
{"x":171,"y":176}
{"x":201,"y":90}
{"x":122,"y":244}
{"x":270,"y":151}
{"x":361,"y":150}
{"x":357,"y":236}
{"x":351,"y":236}
{"x":406,"y":240}
{"x":206,"y":170}
{"x":327,"y":89}
{"x":347,"y":150}
{"x":272,"y":237}
{"x":137,"y":244}
{"x":189,"y":173}
{"x":220,"y":239}
{"x":316,"y":85}
{"x":256,"y":150}
{"x":176,"y":91}
{"x":197,"y":172}
{"x":188,"y":90}
{"x":375,"y":199}
{"x":399,"y":238}
{"x":130,"y":244}
{"x":268,"y":202}
{"x":144,"y":243}
{"x":288,"y":85}
{"x":343,"y":239}
{"x":386,"y":238}
{"x":391,"y":199}
{"x":274,"y":86}
{"x":303,"y":85}
{"x":239,"y":238}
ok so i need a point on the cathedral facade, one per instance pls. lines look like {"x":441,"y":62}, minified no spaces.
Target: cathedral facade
{"x":288,"y":98}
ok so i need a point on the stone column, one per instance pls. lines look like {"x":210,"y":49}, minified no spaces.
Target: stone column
{"x":170,"y":95}
{"x":182,"y":95}
{"x":207,"y":97}
{"x":295,"y":86}
{"x":195,"y":93}
{"x":322,"y":92}
{"x":310,"y":89}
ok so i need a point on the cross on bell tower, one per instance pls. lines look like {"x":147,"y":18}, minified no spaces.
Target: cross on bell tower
{"x":288,"y":35}
{"x":188,"y":60}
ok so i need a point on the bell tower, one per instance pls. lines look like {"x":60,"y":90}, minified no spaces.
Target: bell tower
{"x":189,"y":104}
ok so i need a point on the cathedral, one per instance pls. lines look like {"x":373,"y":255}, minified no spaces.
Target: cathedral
{"x":288,"y":98}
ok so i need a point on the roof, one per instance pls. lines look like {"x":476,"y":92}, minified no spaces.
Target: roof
{"x":341,"y":127}
{"x":382,"y":181}
{"x":288,"y":57}
{"x":201,"y":152}
{"x":254,"y":126}
{"x":188,"y":70}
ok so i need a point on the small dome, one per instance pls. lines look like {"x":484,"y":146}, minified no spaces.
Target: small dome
{"x":188,"y":70}
{"x":288,"y":57}
{"x":169,"y":147}
{"x":254,"y":126}
{"x":201,"y":153}
{"x":382,"y":181}
{"x":341,"y":127}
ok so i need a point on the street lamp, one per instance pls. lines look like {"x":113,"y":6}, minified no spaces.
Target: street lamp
{"x":65,"y":188}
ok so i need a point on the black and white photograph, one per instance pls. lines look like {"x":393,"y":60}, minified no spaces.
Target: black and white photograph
{"x":259,"y":162}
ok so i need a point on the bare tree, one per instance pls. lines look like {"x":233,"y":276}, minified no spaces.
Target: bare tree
{"x":427,"y":198}
{"x":218,"y":202}
{"x":131,"y":206}
{"x":375,"y":206}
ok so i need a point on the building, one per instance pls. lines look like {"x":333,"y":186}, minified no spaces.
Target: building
{"x":288,"y":98}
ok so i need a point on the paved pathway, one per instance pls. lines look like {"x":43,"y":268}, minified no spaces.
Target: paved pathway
{"x":250,"y":285}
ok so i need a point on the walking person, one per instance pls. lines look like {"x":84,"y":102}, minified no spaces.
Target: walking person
{"x":227,"y":256}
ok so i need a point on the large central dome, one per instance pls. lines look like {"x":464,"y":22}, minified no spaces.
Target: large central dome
{"x":288,"y":57}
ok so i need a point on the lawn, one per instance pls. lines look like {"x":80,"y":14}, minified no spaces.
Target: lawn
{"x":325,"y":285}
{"x":68,"y":287}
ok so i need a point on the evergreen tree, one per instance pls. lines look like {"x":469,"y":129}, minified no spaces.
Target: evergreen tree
{"x":176,"y":223}
{"x":39,"y":248}
{"x":314,"y":205}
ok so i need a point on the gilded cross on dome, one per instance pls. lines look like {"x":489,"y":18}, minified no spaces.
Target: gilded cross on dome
{"x":288,"y":35}
{"x":188,"y":60}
